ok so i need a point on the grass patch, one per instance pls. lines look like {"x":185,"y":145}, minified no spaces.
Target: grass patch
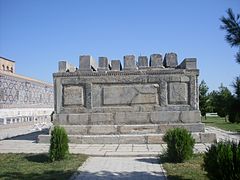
{"x":190,"y":169}
{"x":220,"y":123}
{"x":38,"y":166}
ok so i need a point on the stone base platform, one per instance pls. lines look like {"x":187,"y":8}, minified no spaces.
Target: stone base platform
{"x":127,"y":138}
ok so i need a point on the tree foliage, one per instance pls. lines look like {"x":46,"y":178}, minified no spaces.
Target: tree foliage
{"x":231,"y":24}
{"x":221,"y":101}
{"x":203,"y":97}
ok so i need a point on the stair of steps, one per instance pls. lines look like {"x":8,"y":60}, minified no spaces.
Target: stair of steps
{"x":128,"y":134}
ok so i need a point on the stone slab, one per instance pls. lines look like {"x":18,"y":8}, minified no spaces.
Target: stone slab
{"x":73,"y":95}
{"x":142,"y":62}
{"x":177,"y":93}
{"x":170,"y":60}
{"x":78,"y":119}
{"x":116,"y":65}
{"x":130,"y":94}
{"x":129,"y":62}
{"x":102,"y":130}
{"x":87,"y":63}
{"x":131,"y":118}
{"x":101,"y":118}
{"x":138,"y":129}
{"x":156,"y":60}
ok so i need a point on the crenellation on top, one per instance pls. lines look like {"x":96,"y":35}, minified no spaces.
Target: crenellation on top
{"x":156,"y":62}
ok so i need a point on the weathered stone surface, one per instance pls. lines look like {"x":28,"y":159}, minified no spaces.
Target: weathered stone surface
{"x":170,"y":60}
{"x":64,"y":66}
{"x":103,"y":64}
{"x":131,"y":94}
{"x":73,"y":95}
{"x":207,"y":137}
{"x":87,"y":63}
{"x":100,"y":139}
{"x":138,"y":129}
{"x":132,"y":139}
{"x":165,"y":117}
{"x":156,"y":60}
{"x":131,"y":118}
{"x":189,"y":63}
{"x":190,"y":116}
{"x":155,"y":139}
{"x":76,"y":129}
{"x":129,"y":105}
{"x":102,"y":118}
{"x":116,"y":65}
{"x":178,"y":93}
{"x":129,"y":62}
{"x":103,"y":129}
{"x":142,"y":62}
{"x":78,"y":119}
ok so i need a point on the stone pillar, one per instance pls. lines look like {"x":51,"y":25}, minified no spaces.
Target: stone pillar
{"x":116,"y":65}
{"x":156,"y":60}
{"x":87,"y":63}
{"x":103,"y":64}
{"x":142,"y":62}
{"x":64,"y":66}
{"x":170,"y":60}
{"x":129,"y":62}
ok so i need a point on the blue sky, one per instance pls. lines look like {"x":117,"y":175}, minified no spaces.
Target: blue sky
{"x":37,"y":34}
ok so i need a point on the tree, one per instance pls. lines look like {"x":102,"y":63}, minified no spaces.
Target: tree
{"x":234,"y":115}
{"x":221,"y":101}
{"x":232,"y":25}
{"x":203,"y":89}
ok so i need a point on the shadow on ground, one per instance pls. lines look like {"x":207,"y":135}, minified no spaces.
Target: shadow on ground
{"x":149,"y":160}
{"x":59,"y":175}
{"x":38,"y":158}
{"x":30,"y":136}
{"x":106,"y":175}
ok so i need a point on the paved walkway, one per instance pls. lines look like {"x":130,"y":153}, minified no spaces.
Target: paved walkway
{"x":134,"y":168}
{"x":223,"y":135}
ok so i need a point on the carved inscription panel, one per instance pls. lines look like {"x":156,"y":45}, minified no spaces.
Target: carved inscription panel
{"x":178,"y":93}
{"x":73,"y":95}
{"x":130,"y":94}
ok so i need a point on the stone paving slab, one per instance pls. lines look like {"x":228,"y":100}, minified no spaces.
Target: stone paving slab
{"x":223,"y":135}
{"x":134,"y":168}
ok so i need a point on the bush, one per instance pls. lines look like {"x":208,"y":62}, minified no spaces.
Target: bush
{"x":234,"y":114}
{"x":222,"y":161}
{"x":180,"y":144}
{"x":58,"y":144}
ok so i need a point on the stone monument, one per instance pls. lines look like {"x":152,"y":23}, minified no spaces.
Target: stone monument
{"x":136,"y":103}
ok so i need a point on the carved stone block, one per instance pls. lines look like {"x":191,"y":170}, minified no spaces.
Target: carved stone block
{"x":177,"y":93}
{"x":156,"y":60}
{"x":170,"y":60}
{"x":73,"y":95}
{"x":129,"y":62}
{"x":130,"y":94}
{"x":142,"y":62}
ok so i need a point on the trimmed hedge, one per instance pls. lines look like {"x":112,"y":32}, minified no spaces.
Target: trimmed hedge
{"x":180,"y":144}
{"x":58,"y":144}
{"x":222,"y":161}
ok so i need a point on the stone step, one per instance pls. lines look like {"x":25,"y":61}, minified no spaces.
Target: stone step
{"x":129,"y":129}
{"x":119,"y":118}
{"x":127,"y":138}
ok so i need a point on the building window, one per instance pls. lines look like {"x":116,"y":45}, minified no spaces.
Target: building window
{"x":7,"y":68}
{"x":3,"y":67}
{"x":12,"y":69}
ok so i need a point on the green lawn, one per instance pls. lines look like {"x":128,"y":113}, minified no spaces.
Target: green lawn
{"x":191,"y":169}
{"x":220,"y":123}
{"x":37,"y":166}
